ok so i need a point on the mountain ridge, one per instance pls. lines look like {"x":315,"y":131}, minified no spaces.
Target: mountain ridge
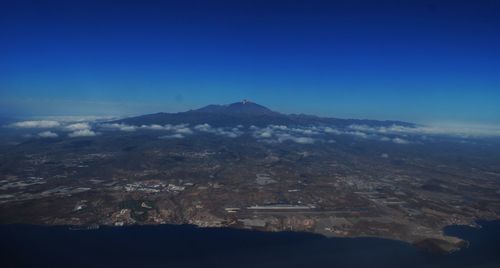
{"x":247,"y":113}
{"x":244,"y":107}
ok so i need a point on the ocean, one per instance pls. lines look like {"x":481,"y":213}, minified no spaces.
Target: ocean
{"x":189,"y":246}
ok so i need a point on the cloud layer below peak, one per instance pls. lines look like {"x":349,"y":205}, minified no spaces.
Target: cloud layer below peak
{"x":396,"y":134}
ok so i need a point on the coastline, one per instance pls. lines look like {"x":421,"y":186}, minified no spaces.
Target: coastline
{"x":447,"y":244}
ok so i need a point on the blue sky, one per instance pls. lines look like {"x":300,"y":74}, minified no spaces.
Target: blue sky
{"x":422,"y":61}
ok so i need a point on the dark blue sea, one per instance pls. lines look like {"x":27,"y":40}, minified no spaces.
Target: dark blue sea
{"x":188,"y":246}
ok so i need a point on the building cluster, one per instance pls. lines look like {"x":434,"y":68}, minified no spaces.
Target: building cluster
{"x":153,"y":187}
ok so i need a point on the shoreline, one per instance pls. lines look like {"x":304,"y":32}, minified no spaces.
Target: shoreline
{"x":430,"y":245}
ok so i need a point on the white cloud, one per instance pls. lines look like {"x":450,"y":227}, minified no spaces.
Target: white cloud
{"x":280,"y":127}
{"x":77,"y":126}
{"x":303,"y":140}
{"x":128,"y":128}
{"x":174,"y":136}
{"x":227,"y":132}
{"x":82,"y":133}
{"x":358,"y":134}
{"x":48,"y":134}
{"x":400,"y":141}
{"x":181,"y":129}
{"x":121,"y":127}
{"x":280,"y":133}
{"x":232,"y":133}
{"x":330,"y":130}
{"x":203,"y":127}
{"x":37,"y":124}
{"x":184,"y":130}
{"x":177,"y":126}
{"x":287,"y":137}
{"x":306,"y":131}
{"x":265,"y":134}
{"x":153,"y":127}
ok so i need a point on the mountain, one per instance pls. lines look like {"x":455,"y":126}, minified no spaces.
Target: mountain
{"x":244,"y":107}
{"x":245,"y":113}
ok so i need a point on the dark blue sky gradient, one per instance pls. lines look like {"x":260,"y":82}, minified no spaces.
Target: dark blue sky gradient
{"x":409,"y":60}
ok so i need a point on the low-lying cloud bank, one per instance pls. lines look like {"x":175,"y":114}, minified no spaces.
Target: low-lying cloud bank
{"x":270,"y":134}
{"x":70,"y":126}
{"x":37,"y":124}
{"x":82,"y":133}
{"x":77,"y":126}
{"x":178,"y":131}
{"x":227,"y":132}
{"x":47,"y":134}
{"x":280,"y":133}
{"x":312,"y":134}
{"x":449,"y":130}
{"x":73,"y":127}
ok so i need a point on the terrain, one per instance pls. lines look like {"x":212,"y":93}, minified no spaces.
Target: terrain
{"x":245,"y":166}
